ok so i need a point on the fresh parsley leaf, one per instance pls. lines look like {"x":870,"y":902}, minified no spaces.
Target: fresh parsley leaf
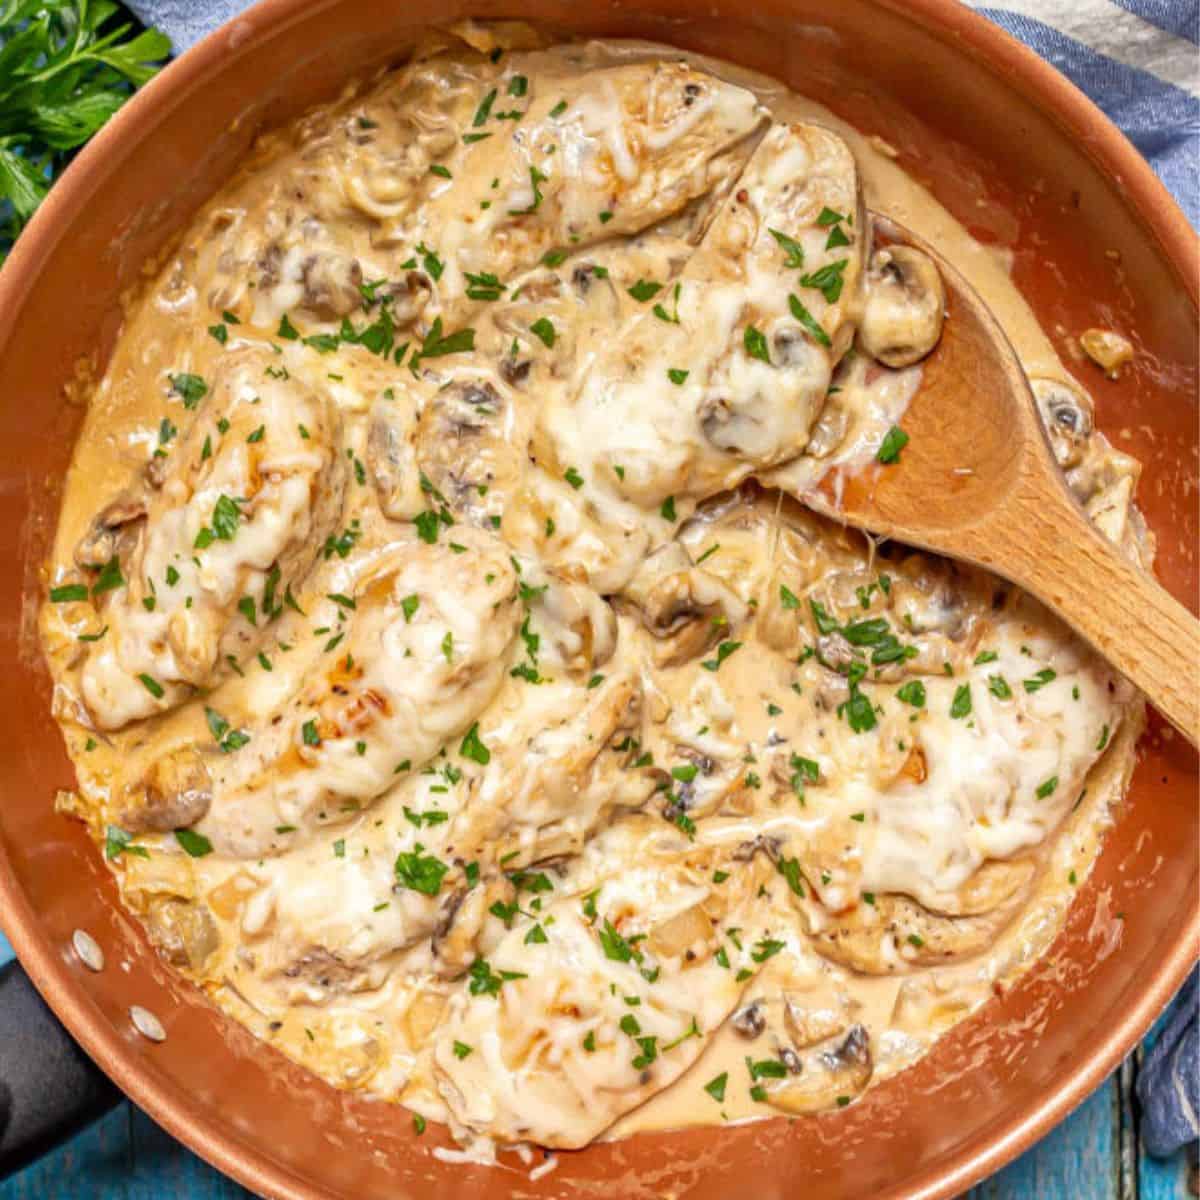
{"x":724,"y":650}
{"x":194,"y":844}
{"x":828,"y":280}
{"x":644,"y":289}
{"x":473,"y":748}
{"x":792,"y":249}
{"x":118,"y":842}
{"x":756,"y":344}
{"x":420,"y":872}
{"x":893,"y":442}
{"x":810,"y":323}
{"x":543,"y":330}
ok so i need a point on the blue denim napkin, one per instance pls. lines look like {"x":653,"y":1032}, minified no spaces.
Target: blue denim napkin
{"x":1137,"y":60}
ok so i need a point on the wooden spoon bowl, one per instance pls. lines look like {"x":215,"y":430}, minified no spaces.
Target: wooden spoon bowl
{"x":978,"y":481}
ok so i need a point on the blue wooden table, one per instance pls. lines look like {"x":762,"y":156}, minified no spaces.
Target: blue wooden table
{"x":1094,"y":1155}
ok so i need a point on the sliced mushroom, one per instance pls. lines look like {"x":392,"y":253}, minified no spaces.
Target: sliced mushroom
{"x":318,"y":969}
{"x":455,"y":940}
{"x":807,"y":1025}
{"x":109,"y":531}
{"x":905,"y":302}
{"x":685,"y":608}
{"x":1067,"y":414}
{"x":748,"y":1021}
{"x":576,"y":625}
{"x":463,"y":446}
{"x":829,"y":1075}
{"x":174,"y":793}
{"x":392,"y":459}
{"x":423,"y":1015}
{"x":183,"y":930}
{"x":332,"y":285}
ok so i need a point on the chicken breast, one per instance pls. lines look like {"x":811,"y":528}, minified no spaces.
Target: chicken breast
{"x":584,"y":1014}
{"x":426,"y":635}
{"x":247,"y":497}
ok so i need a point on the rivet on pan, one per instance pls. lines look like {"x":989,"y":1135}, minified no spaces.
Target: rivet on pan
{"x":147,"y":1024}
{"x":88,"y":950}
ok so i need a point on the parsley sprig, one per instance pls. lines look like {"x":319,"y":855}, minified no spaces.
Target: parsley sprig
{"x":65,"y":67}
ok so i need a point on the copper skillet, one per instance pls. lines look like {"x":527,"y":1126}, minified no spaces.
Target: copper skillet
{"x":1020,"y":156}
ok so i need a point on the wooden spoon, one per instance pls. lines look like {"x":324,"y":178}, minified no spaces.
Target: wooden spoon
{"x":978,"y":481}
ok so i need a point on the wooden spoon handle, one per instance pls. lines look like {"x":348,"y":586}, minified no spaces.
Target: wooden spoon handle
{"x":1044,"y":543}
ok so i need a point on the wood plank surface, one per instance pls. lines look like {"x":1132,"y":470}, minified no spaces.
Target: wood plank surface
{"x":1093,"y":1155}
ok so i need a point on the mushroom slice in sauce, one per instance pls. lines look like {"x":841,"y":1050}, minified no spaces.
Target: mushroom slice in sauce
{"x":1068,"y":416}
{"x":554,"y":1052}
{"x":576,"y":627}
{"x":113,"y":530}
{"x":175,"y":792}
{"x":424,"y":652}
{"x":903,"y":306}
{"x":685,"y":609}
{"x":829,"y":1075}
{"x":244,"y":507}
{"x":392,"y":457}
{"x":469,"y":449}
{"x":184,"y":930}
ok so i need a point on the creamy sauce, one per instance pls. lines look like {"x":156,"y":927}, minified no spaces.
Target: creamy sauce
{"x":449,"y":699}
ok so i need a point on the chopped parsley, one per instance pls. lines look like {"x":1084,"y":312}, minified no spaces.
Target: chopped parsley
{"x":420,"y":872}
{"x":68,"y":592}
{"x":195,"y":845}
{"x":152,"y":686}
{"x":644,"y":289}
{"x":793,"y":251}
{"x":473,"y":748}
{"x":1039,"y":681}
{"x":191,"y":389}
{"x":814,"y":327}
{"x":485,"y":981}
{"x":118,"y":842}
{"x":543,"y":330}
{"x":828,"y":280}
{"x":893,"y":442}
{"x":724,"y":650}
{"x":755,"y":343}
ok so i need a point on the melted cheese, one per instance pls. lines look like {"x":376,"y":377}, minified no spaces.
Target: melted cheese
{"x":533,"y":766}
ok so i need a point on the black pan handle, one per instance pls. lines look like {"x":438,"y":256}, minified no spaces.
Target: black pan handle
{"x":49,"y":1089}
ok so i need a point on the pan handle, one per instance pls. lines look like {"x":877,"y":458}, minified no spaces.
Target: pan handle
{"x":49,"y":1088}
